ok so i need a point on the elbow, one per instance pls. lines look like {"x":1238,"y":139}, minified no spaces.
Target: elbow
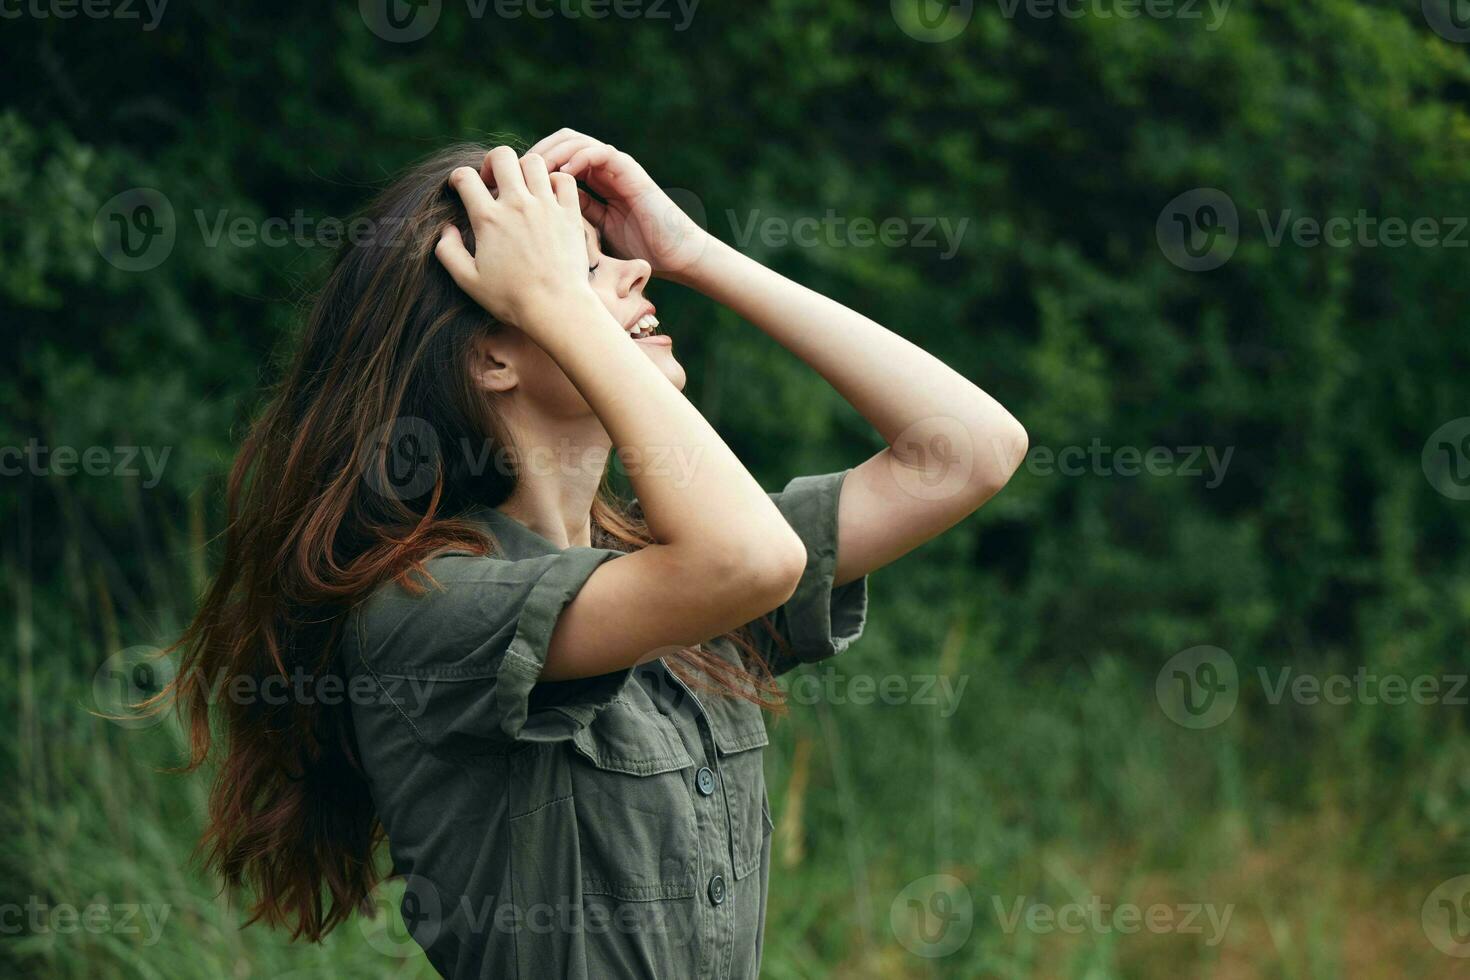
{"x":1011,"y":443}
{"x":1018,"y":444}
{"x":764,"y":568}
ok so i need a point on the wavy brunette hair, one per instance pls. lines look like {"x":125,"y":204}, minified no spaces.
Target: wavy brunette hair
{"x":308,"y":535}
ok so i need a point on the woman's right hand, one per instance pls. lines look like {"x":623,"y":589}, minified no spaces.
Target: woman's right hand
{"x":530,"y":255}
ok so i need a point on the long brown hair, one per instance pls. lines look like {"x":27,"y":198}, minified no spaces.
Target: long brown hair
{"x":315,"y":523}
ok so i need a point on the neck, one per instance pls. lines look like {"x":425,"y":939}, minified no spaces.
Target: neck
{"x":556,"y":482}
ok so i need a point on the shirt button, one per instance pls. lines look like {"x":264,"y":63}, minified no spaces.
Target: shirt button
{"x":717,"y":889}
{"x":704,"y":780}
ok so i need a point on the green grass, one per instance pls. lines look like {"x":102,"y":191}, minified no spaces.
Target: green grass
{"x":1044,"y":787}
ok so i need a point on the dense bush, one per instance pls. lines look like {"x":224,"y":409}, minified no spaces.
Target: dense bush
{"x":1313,"y":373}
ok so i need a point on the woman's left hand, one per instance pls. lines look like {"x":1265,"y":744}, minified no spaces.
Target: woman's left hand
{"x":639,"y":220}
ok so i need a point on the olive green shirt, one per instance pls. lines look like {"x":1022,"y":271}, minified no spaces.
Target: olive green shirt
{"x":615,"y":826}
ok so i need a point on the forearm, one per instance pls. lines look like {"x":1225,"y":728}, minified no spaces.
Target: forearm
{"x":706,"y":505}
{"x":897,"y":386}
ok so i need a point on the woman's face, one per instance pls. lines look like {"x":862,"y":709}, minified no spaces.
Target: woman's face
{"x":539,"y":385}
{"x":619,"y":284}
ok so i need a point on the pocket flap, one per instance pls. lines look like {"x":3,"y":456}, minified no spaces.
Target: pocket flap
{"x":737,"y":725}
{"x":639,"y":743}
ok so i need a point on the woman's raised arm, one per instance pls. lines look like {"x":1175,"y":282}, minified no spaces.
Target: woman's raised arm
{"x":723,"y":553}
{"x":951,"y":446}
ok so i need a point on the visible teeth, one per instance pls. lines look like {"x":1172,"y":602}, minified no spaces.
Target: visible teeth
{"x":645,"y":326}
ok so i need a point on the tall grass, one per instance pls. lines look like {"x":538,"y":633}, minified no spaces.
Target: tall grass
{"x":1046,"y":787}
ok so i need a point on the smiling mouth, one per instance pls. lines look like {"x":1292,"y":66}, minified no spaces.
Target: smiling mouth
{"x":645,"y":326}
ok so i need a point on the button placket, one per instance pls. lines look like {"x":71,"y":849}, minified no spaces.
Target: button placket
{"x":712,"y":810}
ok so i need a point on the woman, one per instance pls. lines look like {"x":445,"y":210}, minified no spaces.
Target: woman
{"x":550,"y":703}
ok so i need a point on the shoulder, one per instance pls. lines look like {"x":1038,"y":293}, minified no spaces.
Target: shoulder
{"x":456,"y":600}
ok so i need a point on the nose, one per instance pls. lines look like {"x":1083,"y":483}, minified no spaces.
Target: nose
{"x":633,"y":274}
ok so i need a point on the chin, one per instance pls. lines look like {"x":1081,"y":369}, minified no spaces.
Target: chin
{"x":664,"y":359}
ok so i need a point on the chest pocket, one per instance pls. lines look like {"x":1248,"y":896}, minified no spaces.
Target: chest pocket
{"x":635,"y":821}
{"x":739,"y":732}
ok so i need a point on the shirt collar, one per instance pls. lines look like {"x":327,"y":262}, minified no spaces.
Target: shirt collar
{"x":514,"y":540}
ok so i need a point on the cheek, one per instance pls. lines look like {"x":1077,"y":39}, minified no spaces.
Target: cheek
{"x":602,"y":288}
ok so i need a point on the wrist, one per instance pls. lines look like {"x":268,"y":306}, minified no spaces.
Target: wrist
{"x":564,"y":324}
{"x":698,"y":259}
{"x":553,"y":312}
{"x":717,"y":265}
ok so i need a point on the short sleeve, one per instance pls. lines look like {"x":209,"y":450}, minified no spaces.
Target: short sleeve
{"x":819,"y":620}
{"x":460,"y":662}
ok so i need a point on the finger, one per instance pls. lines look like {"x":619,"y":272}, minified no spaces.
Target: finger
{"x":560,"y":151}
{"x":561,"y":134}
{"x":505,"y":171}
{"x":592,"y":209}
{"x":587,"y":158}
{"x":473,"y":192}
{"x":455,"y":258}
{"x":533,"y":169}
{"x":565,"y":188}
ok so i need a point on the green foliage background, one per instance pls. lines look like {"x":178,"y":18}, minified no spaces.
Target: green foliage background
{"x":1324,"y":548}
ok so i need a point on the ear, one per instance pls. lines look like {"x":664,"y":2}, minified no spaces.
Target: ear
{"x":492,"y":362}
